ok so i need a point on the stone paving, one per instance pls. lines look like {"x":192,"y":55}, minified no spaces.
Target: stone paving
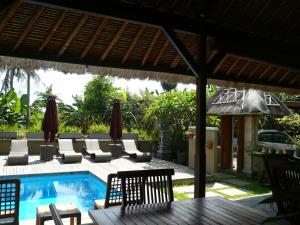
{"x":233,"y":188}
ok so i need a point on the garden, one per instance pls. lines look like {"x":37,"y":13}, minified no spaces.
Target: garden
{"x":148,"y":114}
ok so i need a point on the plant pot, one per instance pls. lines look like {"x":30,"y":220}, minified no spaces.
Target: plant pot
{"x":209,"y":146}
{"x":182,"y":158}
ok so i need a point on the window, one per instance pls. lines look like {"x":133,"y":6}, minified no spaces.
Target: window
{"x":266,"y":137}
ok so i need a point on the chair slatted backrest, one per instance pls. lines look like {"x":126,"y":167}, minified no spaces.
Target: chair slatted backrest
{"x":113,"y":195}
{"x":284,"y":175}
{"x":9,"y":201}
{"x":146,"y":186}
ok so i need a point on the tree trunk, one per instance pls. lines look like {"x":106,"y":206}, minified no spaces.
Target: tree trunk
{"x":28,"y":101}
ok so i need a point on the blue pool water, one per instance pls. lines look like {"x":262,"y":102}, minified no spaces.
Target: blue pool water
{"x":80,"y":188}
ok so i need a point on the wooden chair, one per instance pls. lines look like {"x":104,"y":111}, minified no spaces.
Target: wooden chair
{"x":9,"y":201}
{"x":55,"y":215}
{"x":146,"y":186}
{"x":113,"y":196}
{"x":284,"y":175}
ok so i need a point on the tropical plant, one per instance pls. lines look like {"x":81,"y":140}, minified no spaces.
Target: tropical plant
{"x":20,"y":74}
{"x":98,"y":97}
{"x":98,"y":128}
{"x":291,"y":123}
{"x":11,"y":109}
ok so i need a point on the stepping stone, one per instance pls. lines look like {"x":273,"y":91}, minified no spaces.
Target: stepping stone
{"x":233,"y":192}
{"x":184,"y":189}
{"x":236,"y":182}
{"x":217,"y":186}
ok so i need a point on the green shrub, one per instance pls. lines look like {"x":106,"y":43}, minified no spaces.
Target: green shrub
{"x":8,"y":128}
{"x":98,"y":128}
{"x":68,"y":129}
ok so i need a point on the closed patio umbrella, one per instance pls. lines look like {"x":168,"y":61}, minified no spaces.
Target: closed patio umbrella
{"x":50,"y":121}
{"x":115,"y":131}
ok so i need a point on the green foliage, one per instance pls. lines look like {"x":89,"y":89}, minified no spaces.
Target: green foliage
{"x":98,"y":96}
{"x":291,"y":123}
{"x":68,"y":129}
{"x":8,"y":128}
{"x":176,"y":108}
{"x":98,"y":128}
{"x":10,"y":109}
{"x":287,"y":97}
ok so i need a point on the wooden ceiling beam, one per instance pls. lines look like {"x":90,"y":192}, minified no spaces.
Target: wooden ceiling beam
{"x":94,"y":37}
{"x":10,"y":14}
{"x":133,"y":43}
{"x":162,"y":51}
{"x":264,"y":73}
{"x":114,"y":41}
{"x":243,"y":69}
{"x":232,"y":66}
{"x":53,"y":30}
{"x":274,"y":74}
{"x":253,"y":71}
{"x":284,"y":76}
{"x":293,"y":80}
{"x":263,"y":82}
{"x":72,"y":35}
{"x":260,"y":12}
{"x":216,"y":61}
{"x":269,"y":49}
{"x":193,"y":66}
{"x":28,"y":28}
{"x":149,"y":49}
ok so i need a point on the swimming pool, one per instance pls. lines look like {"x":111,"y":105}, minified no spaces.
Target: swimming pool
{"x":81,"y":188}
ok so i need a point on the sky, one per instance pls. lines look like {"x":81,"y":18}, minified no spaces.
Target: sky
{"x":67,"y":85}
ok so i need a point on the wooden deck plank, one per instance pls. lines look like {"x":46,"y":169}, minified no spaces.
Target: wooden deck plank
{"x":181,"y":212}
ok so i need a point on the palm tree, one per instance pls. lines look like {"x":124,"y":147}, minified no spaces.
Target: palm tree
{"x":20,"y":74}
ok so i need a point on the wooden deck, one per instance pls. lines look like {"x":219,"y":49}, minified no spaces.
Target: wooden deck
{"x":101,"y":170}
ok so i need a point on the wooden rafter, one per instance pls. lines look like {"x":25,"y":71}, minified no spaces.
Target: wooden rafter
{"x":274,"y":12}
{"x":53,"y":30}
{"x":133,"y":43}
{"x":114,"y":41}
{"x":293,"y":80}
{"x":232,"y":66}
{"x":253,"y":71}
{"x":94,"y":37}
{"x":218,"y":66}
{"x":264,"y":73}
{"x":274,"y":74}
{"x":243,"y":68}
{"x":177,"y":58}
{"x":153,"y":42}
{"x":73,"y":34}
{"x":10,"y":14}
{"x":260,"y":12}
{"x":282,"y":22}
{"x":28,"y":28}
{"x":226,"y":9}
{"x":245,"y":9}
{"x":284,"y":76}
{"x":163,"y":49}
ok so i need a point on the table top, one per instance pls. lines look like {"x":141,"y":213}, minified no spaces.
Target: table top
{"x":213,"y":210}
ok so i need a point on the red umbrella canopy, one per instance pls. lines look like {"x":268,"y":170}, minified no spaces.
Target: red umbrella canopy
{"x":50,"y":121}
{"x":115,"y":131}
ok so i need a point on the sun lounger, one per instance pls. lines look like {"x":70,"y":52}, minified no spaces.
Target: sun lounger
{"x":8,"y":135}
{"x":93,"y":150}
{"x":66,"y":150}
{"x":18,"y":153}
{"x":131,"y":150}
{"x":101,"y":136}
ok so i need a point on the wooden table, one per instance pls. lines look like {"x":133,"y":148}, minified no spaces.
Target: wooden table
{"x":213,"y":211}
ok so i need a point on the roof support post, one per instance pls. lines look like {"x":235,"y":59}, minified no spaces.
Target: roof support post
{"x":200,"y":156}
{"x":199,"y":69}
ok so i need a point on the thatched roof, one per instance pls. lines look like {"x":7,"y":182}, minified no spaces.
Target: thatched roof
{"x":245,"y":47}
{"x":232,"y":101}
